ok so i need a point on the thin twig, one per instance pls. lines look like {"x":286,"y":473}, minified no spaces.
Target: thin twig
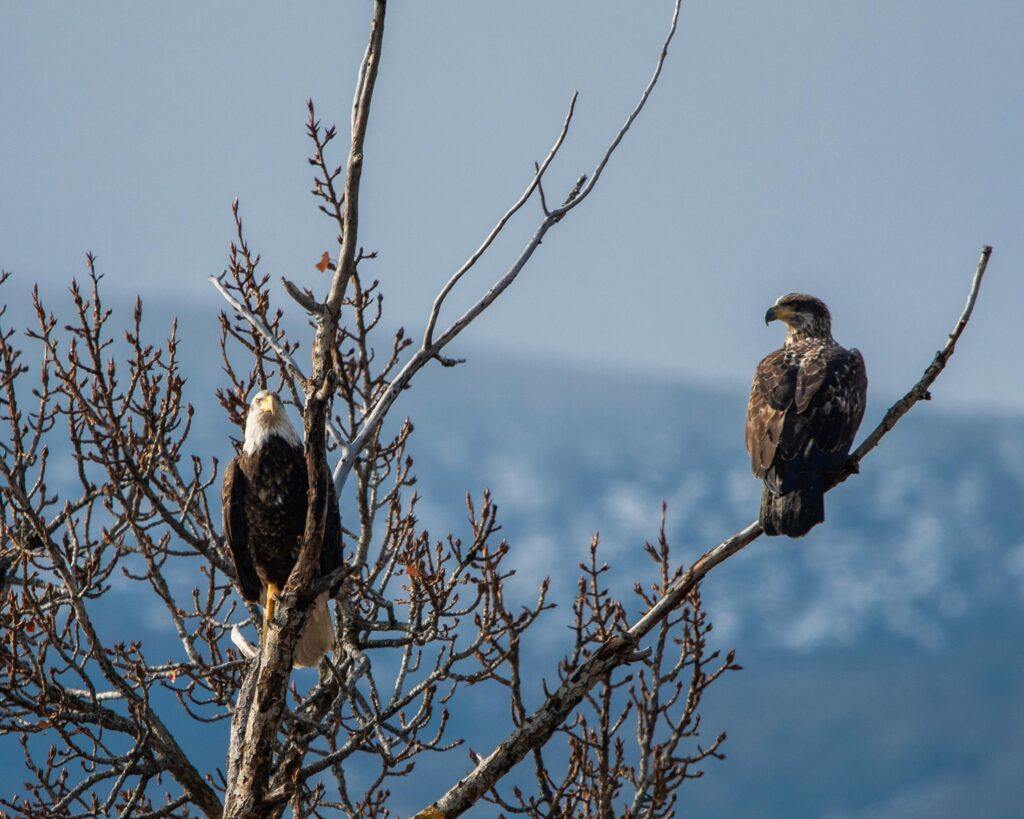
{"x":285,"y":357}
{"x":247,"y":791}
{"x":431,"y":348}
{"x":535,"y":183}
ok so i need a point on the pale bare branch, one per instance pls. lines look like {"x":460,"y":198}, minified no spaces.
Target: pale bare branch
{"x":617,"y":650}
{"x":431,"y":348}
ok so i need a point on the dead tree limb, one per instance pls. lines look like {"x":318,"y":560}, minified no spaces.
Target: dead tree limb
{"x":537,"y":729}
{"x":253,"y":755}
{"x":431,"y":347}
{"x":251,"y":749}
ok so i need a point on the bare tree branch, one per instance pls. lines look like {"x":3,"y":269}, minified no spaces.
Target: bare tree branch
{"x":535,"y":184}
{"x":246,"y":794}
{"x":431,"y":348}
{"x":618,"y":649}
{"x":264,"y":331}
{"x":99,"y":494}
{"x":353,"y":178}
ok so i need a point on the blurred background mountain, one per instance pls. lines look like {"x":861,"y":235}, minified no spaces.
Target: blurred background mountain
{"x":883,"y":671}
{"x":861,"y":152}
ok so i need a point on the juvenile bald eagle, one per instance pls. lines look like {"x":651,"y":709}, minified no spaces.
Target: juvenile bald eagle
{"x":264,"y":504}
{"x":805,"y":405}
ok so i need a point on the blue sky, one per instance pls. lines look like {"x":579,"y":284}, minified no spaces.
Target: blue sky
{"x":860,"y":151}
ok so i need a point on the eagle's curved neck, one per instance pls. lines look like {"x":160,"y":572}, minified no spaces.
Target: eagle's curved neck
{"x":819,"y":331}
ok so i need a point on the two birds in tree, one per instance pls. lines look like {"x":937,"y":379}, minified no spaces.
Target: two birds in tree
{"x":805,"y":406}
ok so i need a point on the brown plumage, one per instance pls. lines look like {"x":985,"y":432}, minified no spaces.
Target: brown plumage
{"x":805,"y":406}
{"x":264,"y":505}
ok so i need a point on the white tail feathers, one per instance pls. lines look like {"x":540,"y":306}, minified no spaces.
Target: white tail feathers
{"x":317,"y":636}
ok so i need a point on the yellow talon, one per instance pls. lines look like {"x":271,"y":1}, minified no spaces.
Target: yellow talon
{"x":268,"y":611}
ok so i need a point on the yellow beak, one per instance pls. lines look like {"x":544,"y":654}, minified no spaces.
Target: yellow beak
{"x":269,"y":403}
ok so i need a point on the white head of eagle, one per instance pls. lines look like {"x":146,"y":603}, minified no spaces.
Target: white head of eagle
{"x":267,"y":417}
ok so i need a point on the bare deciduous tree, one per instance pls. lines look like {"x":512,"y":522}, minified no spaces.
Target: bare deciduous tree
{"x":419,"y":620}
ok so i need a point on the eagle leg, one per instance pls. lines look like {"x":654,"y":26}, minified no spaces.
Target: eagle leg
{"x":268,"y":611}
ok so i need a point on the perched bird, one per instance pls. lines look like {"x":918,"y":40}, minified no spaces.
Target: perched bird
{"x":264,"y":505}
{"x":806,"y":403}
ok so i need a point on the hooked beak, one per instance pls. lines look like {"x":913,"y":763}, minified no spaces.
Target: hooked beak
{"x":778,"y":312}
{"x":269,"y":403}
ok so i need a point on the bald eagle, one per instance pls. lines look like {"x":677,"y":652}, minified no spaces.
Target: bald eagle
{"x":264,"y":506}
{"x":806,"y":403}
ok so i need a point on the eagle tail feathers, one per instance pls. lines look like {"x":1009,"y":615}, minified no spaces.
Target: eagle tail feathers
{"x":317,"y":636}
{"x":793,"y":514}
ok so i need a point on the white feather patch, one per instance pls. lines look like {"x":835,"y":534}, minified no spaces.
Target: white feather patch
{"x":259,"y":426}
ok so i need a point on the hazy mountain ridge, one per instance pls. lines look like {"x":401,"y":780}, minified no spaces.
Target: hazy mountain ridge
{"x":865,"y":644}
{"x":882,"y":675}
{"x":930,"y":529}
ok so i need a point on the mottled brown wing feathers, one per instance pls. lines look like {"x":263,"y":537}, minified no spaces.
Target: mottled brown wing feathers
{"x":809,"y":378}
{"x":236,"y":530}
{"x":771,"y":394}
{"x":839,"y":408}
{"x":804,"y":405}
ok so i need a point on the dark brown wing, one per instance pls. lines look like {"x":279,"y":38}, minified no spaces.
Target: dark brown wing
{"x":236,"y":529}
{"x":818,"y":428}
{"x":771,"y":395}
{"x":803,"y":413}
{"x":835,"y":410}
